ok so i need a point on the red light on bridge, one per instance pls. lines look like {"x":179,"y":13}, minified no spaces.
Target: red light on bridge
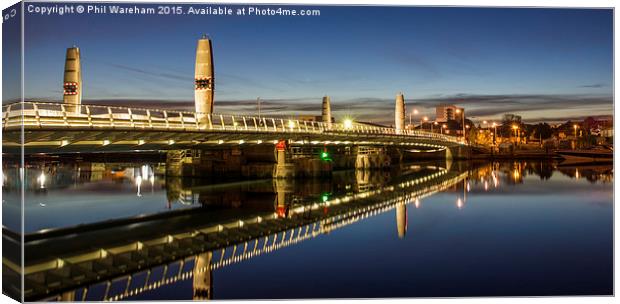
{"x":203,"y":83}
{"x":282,"y":211}
{"x":281,"y":145}
{"x":70,"y":88}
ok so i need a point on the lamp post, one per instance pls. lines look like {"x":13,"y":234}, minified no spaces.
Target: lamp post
{"x":414,"y":112}
{"x":494,"y":133}
{"x":443,"y":127}
{"x":434,"y":123}
{"x":575,"y":126}
{"x":463,"y":121}
{"x":425,"y":119}
{"x":515,"y":128}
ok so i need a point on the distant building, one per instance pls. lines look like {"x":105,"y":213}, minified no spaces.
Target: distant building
{"x":511,"y":118}
{"x":601,"y":126}
{"x":445,"y":113}
{"x":608,"y":132}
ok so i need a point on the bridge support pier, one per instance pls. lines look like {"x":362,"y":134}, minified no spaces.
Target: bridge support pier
{"x":372,"y":158}
{"x":251,"y":161}
{"x":204,"y":163}
{"x":283,"y":189}
{"x":401,"y":220}
{"x":68,"y":296}
{"x":302,"y":161}
{"x":367,"y":179}
{"x":203,"y":277}
{"x":448,"y":158}
{"x":458,"y":152}
{"x":284,"y":168}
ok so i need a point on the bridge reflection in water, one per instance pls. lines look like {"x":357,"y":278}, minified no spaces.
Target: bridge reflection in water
{"x":125,"y":257}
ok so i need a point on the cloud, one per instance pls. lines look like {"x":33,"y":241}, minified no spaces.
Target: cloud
{"x":532,"y":107}
{"x":595,"y":85}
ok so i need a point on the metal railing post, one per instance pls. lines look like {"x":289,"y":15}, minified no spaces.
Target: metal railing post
{"x":64,"y":114}
{"x":36,"y":114}
{"x":111,"y":117}
{"x":148,"y":115}
{"x":5,"y":120}
{"x":197,"y":123}
{"x":130,"y":118}
{"x":90,"y":119}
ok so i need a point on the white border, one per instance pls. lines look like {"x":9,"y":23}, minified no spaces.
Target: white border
{"x":491,"y":3}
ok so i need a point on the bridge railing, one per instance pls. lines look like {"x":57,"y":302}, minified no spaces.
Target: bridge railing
{"x":60,"y":115}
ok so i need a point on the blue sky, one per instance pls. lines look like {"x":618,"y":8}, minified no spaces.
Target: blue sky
{"x":540,"y":63}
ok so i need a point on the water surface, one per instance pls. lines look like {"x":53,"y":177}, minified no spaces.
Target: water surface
{"x":494,"y":229}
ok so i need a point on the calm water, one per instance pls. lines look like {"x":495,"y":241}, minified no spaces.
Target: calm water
{"x":489,"y":229}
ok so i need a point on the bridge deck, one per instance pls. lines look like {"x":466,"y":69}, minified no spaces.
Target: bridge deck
{"x":50,"y":127}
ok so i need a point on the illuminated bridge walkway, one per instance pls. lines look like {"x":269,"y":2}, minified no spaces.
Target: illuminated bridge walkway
{"x":130,"y":265}
{"x":50,"y":127}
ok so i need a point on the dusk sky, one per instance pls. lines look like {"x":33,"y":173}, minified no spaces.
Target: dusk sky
{"x":551,"y":64}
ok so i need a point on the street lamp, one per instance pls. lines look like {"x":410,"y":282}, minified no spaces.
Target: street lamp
{"x":443,"y":127}
{"x":463,"y":122}
{"x":425,"y":119}
{"x":414,"y":112}
{"x":515,"y":128}
{"x":434,"y":123}
{"x":575,"y":126}
{"x":348,"y":123}
{"x":494,"y":133}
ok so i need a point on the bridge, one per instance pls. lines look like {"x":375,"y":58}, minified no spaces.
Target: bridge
{"x":73,"y":263}
{"x":53,"y":128}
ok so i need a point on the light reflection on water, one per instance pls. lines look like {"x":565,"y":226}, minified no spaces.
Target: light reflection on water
{"x":512,"y":228}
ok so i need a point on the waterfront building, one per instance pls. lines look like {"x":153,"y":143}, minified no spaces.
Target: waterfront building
{"x":445,"y":113}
